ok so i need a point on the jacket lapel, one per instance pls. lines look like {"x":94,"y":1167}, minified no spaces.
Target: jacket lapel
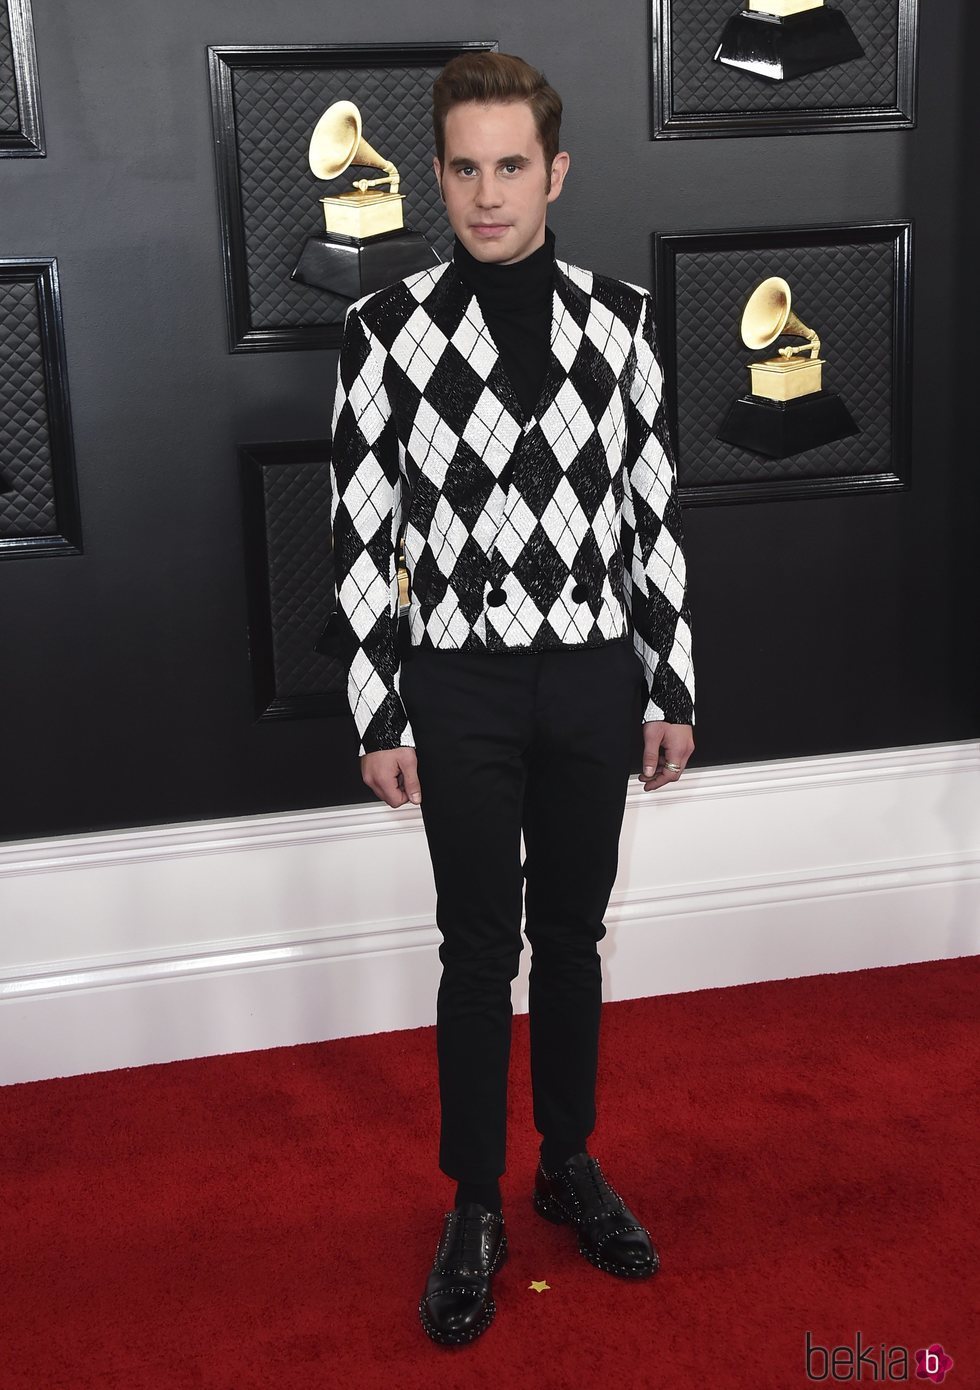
{"x":569,"y":313}
{"x":455,"y":310}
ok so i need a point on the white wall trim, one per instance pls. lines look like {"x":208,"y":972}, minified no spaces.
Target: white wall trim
{"x":146,"y":843}
{"x":344,"y":822}
{"x":640,"y":905}
{"x":776,"y":868}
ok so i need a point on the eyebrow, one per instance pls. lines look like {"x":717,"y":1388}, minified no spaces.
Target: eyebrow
{"x":462,"y":162}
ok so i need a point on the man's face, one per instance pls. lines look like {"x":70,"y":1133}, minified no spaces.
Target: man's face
{"x":494,"y":182}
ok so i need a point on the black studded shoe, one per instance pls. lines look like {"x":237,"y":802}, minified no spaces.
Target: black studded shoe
{"x":457,"y":1304}
{"x":609,"y":1234}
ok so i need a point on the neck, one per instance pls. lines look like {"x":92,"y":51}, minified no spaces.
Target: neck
{"x":516,"y":282}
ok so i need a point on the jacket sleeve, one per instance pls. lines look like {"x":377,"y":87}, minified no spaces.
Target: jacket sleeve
{"x":365,"y":522}
{"x":654,"y":565}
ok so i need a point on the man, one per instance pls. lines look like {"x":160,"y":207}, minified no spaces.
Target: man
{"x":502,"y":411}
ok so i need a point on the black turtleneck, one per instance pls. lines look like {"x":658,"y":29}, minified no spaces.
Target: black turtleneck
{"x":516,"y":302}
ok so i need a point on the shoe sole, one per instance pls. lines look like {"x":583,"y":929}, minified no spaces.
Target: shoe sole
{"x":551,"y":1211}
{"x":458,"y":1339}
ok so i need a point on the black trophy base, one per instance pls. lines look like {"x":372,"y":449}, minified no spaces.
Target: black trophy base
{"x":775,"y":48}
{"x":353,"y":268}
{"x":781,"y":428}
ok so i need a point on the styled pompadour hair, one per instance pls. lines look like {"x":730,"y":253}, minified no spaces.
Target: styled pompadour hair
{"x":486,"y":77}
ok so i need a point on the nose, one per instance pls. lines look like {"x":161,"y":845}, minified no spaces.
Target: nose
{"x":488,"y":193}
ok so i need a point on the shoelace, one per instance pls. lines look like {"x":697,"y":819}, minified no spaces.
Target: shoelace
{"x":468,"y":1239}
{"x":590,"y":1184}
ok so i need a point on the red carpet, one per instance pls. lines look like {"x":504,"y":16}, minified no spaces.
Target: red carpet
{"x":804,"y":1153}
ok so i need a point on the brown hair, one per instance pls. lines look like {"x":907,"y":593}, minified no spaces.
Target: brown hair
{"x":487,"y":76}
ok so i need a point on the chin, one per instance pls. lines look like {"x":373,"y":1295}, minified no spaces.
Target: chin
{"x":489,"y":250}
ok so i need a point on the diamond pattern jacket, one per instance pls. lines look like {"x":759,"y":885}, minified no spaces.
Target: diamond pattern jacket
{"x":562,"y":530}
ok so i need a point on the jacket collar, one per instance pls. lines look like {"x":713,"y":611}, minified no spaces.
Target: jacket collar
{"x":452,"y":301}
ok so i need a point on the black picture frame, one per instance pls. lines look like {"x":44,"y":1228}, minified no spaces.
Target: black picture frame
{"x":709,"y":383}
{"x":691,"y":98}
{"x":21,"y":124}
{"x":305,"y":577}
{"x":38,"y":425}
{"x":312,"y":319}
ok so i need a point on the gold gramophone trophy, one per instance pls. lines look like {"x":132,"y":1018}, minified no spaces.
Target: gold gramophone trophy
{"x":365,"y":245}
{"x":786,"y":410}
{"x":777,"y":39}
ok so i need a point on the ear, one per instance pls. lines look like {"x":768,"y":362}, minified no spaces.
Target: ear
{"x":437,"y":167}
{"x":559,"y":168}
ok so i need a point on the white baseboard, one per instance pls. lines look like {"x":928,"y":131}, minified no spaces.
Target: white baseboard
{"x":157,"y":943}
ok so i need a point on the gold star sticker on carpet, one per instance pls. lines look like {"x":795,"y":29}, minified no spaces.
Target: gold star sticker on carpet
{"x":539,"y":1285}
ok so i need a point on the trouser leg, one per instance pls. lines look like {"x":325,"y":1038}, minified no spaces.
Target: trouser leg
{"x":586,"y":713}
{"x":470,"y":713}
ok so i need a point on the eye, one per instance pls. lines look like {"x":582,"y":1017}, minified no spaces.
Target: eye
{"x":515,"y":167}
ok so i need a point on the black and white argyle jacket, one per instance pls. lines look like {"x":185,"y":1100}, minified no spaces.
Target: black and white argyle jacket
{"x":562,"y":530}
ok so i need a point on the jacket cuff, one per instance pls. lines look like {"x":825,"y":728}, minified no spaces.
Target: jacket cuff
{"x":676,"y":714}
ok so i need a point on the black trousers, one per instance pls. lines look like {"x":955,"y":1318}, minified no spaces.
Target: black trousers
{"x":508,"y":741}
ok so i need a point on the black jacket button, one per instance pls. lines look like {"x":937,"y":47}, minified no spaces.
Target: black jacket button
{"x":336,"y":638}
{"x":496,"y":597}
{"x":580,"y":593}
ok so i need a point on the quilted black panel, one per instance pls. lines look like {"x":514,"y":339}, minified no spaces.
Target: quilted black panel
{"x":21,"y":127}
{"x":272,"y":196}
{"x":290,"y":579}
{"x":300,"y":570}
{"x":694,"y":95}
{"x":9,"y":110}
{"x":276,"y":111}
{"x":845,"y":292}
{"x":701,"y":84}
{"x":38,"y":499}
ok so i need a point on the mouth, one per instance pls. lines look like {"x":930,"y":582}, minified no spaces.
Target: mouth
{"x":490,"y":228}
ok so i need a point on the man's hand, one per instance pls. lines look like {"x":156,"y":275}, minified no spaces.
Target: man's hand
{"x":392,"y":773}
{"x":664,"y":743}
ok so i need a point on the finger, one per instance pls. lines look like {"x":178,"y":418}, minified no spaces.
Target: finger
{"x":677,"y":769}
{"x":662,"y":773}
{"x":651,"y":755}
{"x":393,"y":795}
{"x":408,"y":775}
{"x":662,"y":778}
{"x":388,"y":790}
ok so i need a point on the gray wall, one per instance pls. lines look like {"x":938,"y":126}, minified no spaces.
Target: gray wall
{"x":839,"y":623}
